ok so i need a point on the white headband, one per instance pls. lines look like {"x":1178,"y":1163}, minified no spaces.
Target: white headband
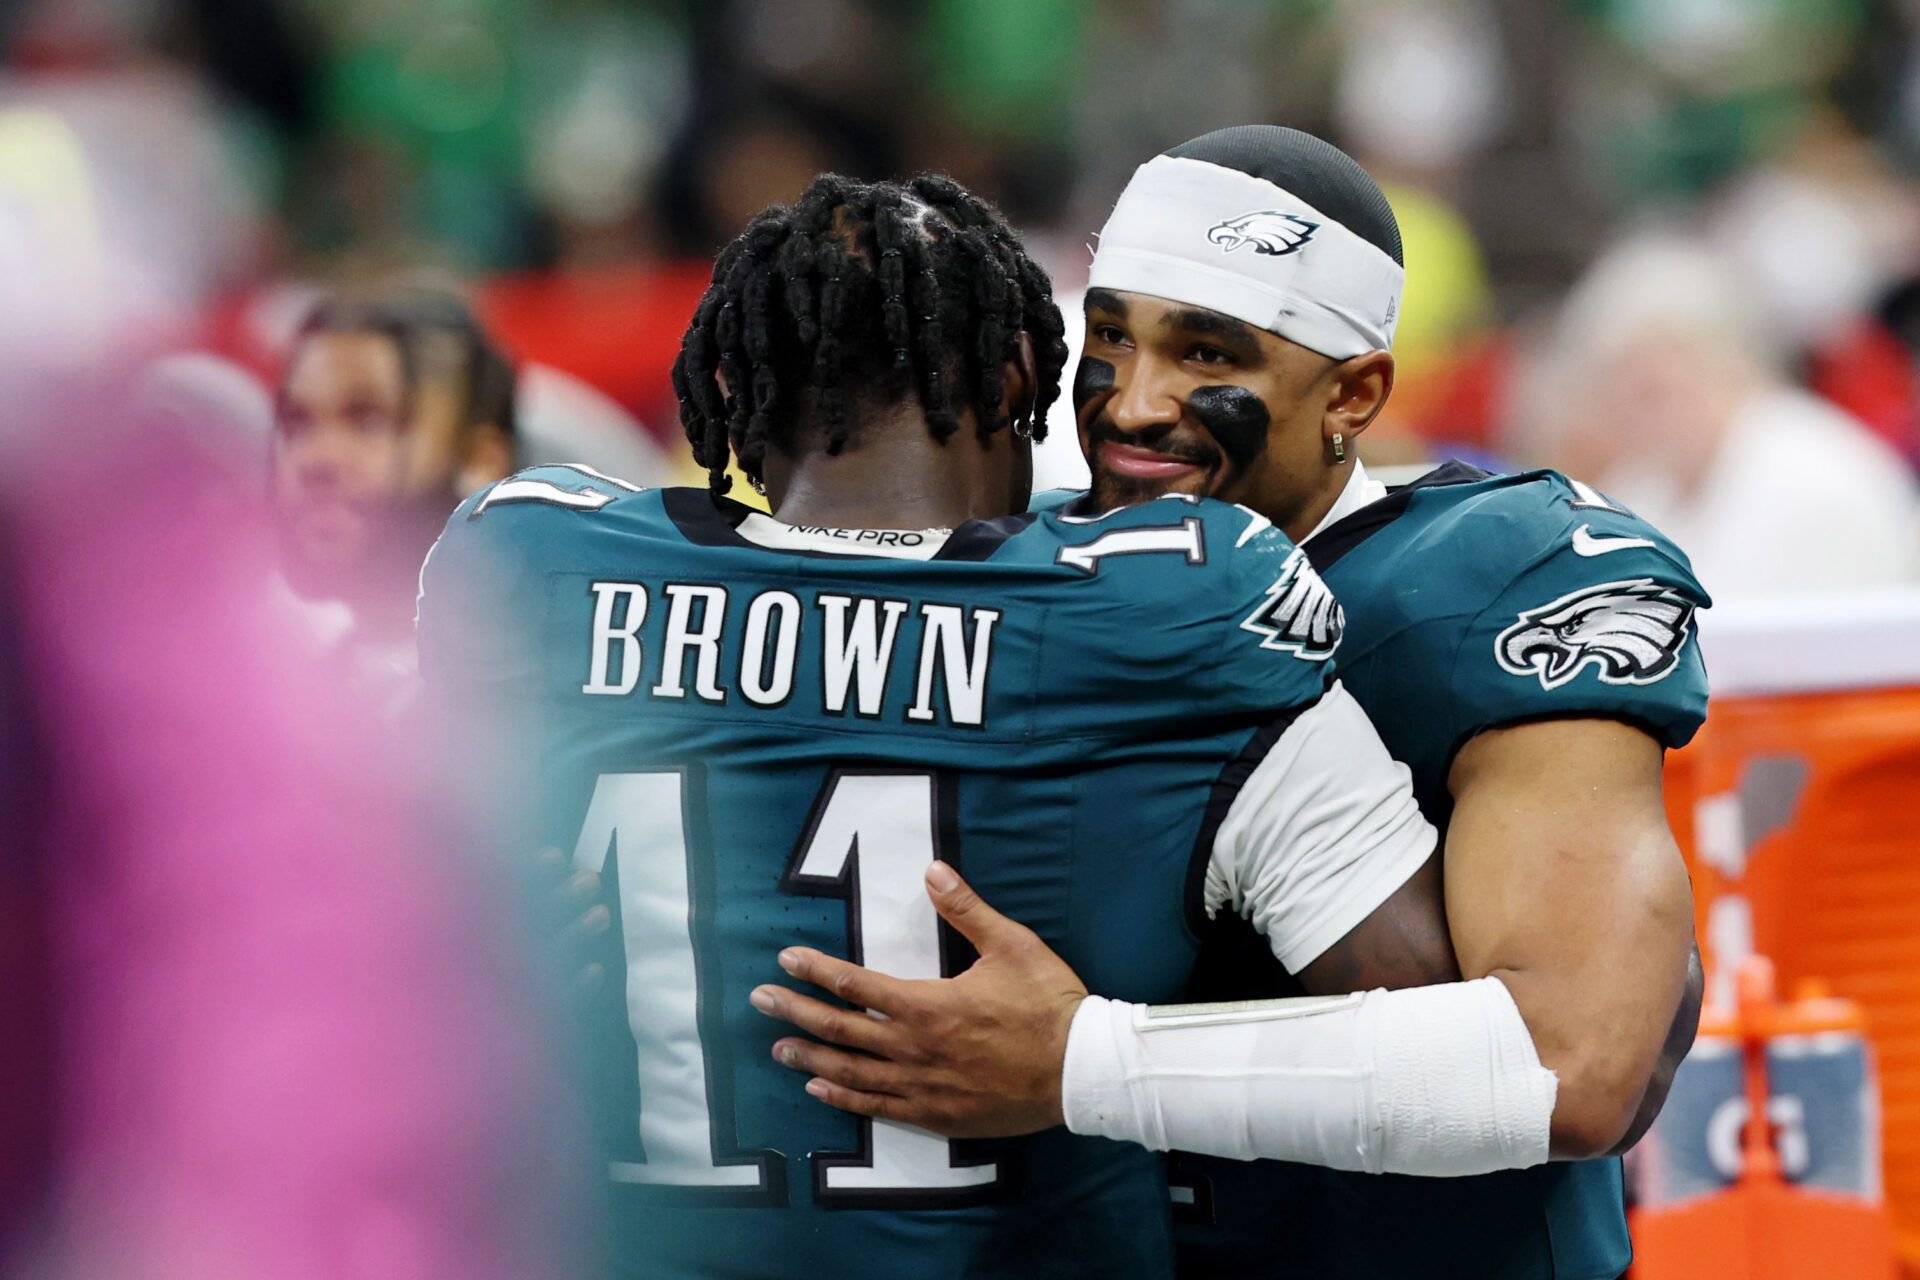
{"x":1217,"y":238}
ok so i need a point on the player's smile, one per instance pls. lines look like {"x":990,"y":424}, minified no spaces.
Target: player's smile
{"x":1137,"y":461}
{"x":1145,"y":464}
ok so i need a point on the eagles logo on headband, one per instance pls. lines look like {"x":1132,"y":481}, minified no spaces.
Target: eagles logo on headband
{"x":1325,"y":266}
{"x":1268,"y":231}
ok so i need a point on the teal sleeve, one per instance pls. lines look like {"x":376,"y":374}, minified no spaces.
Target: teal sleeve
{"x":1191,"y":609}
{"x":1608,"y":633}
{"x":479,"y":607}
{"x":467,"y":586}
{"x":1278,"y":625}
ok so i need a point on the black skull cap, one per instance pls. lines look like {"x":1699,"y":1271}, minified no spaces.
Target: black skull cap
{"x":1311,"y":168}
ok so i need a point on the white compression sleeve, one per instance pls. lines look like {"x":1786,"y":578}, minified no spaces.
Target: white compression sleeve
{"x":1441,"y":1081}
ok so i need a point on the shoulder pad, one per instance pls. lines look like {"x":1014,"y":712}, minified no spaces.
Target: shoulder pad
{"x":1603,"y":624}
{"x":1153,"y":537}
{"x":1211,"y":592}
{"x":479,"y":573}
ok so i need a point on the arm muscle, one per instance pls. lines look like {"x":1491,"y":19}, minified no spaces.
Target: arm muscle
{"x":1563,"y":881}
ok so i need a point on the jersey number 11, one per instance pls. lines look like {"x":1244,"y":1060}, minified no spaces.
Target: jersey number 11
{"x":870,"y":838}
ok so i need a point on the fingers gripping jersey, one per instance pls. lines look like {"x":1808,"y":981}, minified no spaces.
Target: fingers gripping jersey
{"x":764,"y":746}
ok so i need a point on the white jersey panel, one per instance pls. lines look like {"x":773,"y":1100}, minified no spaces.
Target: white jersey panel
{"x":1324,"y":830}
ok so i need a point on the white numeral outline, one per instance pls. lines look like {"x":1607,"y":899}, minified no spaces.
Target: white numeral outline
{"x":654,"y":822}
{"x":910,"y":942}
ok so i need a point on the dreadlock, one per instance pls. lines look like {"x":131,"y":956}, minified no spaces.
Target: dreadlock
{"x":857,"y":291}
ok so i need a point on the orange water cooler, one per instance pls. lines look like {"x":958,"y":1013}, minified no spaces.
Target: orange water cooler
{"x":1790,"y":1146}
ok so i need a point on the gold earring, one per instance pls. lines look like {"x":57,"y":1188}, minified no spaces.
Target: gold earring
{"x":1339,"y":448}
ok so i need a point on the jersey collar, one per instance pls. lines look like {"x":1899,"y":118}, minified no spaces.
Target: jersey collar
{"x":1343,"y":534}
{"x":711,"y":521}
{"x":1360,"y":491}
{"x":892,"y":544}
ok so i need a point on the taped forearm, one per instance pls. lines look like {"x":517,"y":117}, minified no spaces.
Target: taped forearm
{"x":1441,"y":1081}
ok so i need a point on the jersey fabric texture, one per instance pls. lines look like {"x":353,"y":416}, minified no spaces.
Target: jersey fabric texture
{"x":765,"y":747}
{"x":1472,"y":601}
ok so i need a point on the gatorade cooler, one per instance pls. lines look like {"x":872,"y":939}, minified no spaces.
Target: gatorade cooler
{"x":1823,"y":1108}
{"x":1792,"y":1194}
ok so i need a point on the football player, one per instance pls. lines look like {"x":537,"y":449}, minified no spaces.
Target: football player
{"x":1523,"y":643}
{"x":766,"y":727}
{"x":393,"y":406}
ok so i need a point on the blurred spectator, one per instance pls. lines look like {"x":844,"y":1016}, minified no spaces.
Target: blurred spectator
{"x":755,"y":152}
{"x":423,"y":107}
{"x":1664,"y":389}
{"x":607,"y":89}
{"x":1422,"y":86}
{"x":393,"y":408}
{"x":295,"y":1036}
{"x":1677,"y":95}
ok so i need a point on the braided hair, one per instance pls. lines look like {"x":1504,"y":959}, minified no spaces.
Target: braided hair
{"x":856,"y":294}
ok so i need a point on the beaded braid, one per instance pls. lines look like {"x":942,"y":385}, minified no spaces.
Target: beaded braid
{"x":854,"y":290}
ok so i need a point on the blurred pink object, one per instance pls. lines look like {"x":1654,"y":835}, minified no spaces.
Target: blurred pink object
{"x":297,"y":1043}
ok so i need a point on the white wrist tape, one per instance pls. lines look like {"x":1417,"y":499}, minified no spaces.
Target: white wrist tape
{"x":1440,"y":1081}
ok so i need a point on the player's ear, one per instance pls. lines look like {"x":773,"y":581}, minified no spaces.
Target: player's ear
{"x":1359,"y":390}
{"x":1022,"y":381}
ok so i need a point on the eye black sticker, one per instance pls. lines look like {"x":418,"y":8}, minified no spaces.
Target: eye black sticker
{"x":1235,"y":417}
{"x":1089,"y":380}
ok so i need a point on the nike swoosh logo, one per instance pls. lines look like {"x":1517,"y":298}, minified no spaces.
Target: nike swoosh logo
{"x":1584,"y":543}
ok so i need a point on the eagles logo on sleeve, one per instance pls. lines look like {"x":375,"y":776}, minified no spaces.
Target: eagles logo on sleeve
{"x":1299,"y":615}
{"x":1269,"y":231}
{"x":1629,"y":632}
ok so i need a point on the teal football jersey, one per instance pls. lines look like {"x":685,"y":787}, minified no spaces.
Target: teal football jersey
{"x":764,"y":746}
{"x":1472,"y":601}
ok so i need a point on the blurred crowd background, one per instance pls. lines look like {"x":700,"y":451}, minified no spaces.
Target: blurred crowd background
{"x":1635,"y":230}
{"x":1671,"y":247}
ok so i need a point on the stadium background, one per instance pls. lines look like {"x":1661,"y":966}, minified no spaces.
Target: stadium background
{"x":1670,"y":246}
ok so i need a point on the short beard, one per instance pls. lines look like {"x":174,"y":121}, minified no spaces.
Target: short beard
{"x":1110,"y":492}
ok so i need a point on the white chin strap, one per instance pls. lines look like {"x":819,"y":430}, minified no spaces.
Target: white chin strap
{"x":1217,"y":238}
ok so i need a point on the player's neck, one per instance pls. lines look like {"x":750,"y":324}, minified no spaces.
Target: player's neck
{"x":895,"y":476}
{"x":1311,"y":513}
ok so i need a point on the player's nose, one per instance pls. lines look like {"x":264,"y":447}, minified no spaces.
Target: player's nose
{"x":1143,"y":403}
